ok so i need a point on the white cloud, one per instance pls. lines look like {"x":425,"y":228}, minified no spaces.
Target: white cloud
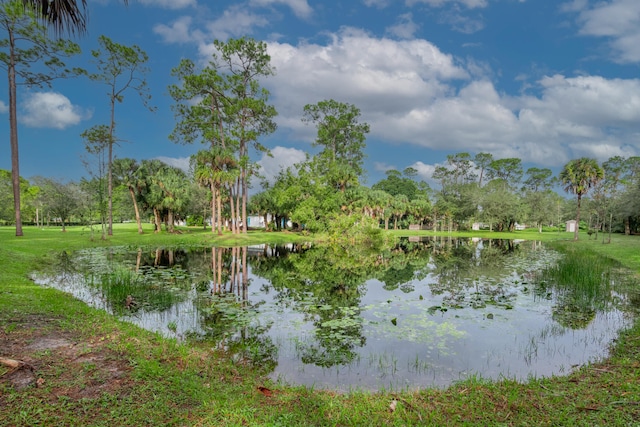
{"x":299,"y":7}
{"x":3,"y":107}
{"x":169,"y":4}
{"x":407,"y":91}
{"x":236,"y":21}
{"x":382,"y":167}
{"x":461,"y":23}
{"x":405,"y":28}
{"x":177,"y":162}
{"x":281,"y":158}
{"x":471,"y":4}
{"x":425,"y":171}
{"x":51,"y":110}
{"x":617,"y":20}
{"x":574,"y":6}
{"x":380,"y":76}
{"x":411,"y":92}
{"x":475,"y":117}
{"x":177,"y":32}
{"x":380,"y":4}
{"x":593,"y":100}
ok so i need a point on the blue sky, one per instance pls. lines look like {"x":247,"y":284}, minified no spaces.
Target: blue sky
{"x":543,"y":80}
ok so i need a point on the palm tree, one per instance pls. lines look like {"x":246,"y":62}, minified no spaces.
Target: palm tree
{"x":150,"y":194}
{"x":125,"y":173}
{"x":215,"y":168}
{"x":62,"y":15}
{"x":578,"y":176}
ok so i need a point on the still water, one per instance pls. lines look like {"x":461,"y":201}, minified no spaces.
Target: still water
{"x":422,"y":313}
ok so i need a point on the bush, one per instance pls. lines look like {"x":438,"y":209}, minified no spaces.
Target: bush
{"x":195,"y":221}
{"x":355,"y":229}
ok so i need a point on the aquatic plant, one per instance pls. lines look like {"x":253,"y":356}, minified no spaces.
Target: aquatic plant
{"x":582,"y":283}
{"x":127,"y":291}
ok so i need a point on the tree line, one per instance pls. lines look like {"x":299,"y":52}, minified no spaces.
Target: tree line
{"x":319,"y":196}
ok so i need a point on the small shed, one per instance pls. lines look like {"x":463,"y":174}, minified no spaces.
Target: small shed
{"x":571,"y":226}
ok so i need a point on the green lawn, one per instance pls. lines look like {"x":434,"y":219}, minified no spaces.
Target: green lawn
{"x":102,"y":372}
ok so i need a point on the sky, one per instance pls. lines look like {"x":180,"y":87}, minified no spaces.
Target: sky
{"x":545,"y":81}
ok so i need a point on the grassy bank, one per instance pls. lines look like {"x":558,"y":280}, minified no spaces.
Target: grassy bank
{"x":83,"y":367}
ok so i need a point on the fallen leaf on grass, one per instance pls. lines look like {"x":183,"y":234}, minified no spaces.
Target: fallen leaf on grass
{"x":265,"y":391}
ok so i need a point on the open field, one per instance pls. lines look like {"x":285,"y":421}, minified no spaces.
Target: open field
{"x":83,"y":367}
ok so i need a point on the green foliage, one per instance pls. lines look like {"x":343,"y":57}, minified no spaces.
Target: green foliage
{"x":342,"y":137}
{"x":28,"y":199}
{"x":395,"y":184}
{"x":578,"y":176}
{"x":121,"y":68}
{"x":224,"y":106}
{"x":355,"y":229}
{"x":59,"y":200}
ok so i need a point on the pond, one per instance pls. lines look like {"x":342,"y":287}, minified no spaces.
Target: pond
{"x":426,"y":312}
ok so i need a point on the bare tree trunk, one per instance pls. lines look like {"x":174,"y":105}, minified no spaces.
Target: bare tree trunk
{"x":219,"y":217}
{"x":136,"y":209}
{"x":238,"y":228}
{"x":627,"y":226}
{"x":13,"y":124}
{"x":112,"y":126}
{"x":575,"y":233}
{"x":213,"y":206}
{"x":244,"y":202}
{"x":138,"y":259}
{"x":232,"y":209}
{"x":110,"y":190}
{"x":170,"y":221}
{"x":156,"y":216}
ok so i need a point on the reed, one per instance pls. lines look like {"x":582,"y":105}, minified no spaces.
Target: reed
{"x":582,"y":281}
{"x":125,"y":290}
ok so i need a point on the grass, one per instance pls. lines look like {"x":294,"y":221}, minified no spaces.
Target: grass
{"x":106,"y":372}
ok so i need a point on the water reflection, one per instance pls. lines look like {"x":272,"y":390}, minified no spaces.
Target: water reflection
{"x":424,"y":312}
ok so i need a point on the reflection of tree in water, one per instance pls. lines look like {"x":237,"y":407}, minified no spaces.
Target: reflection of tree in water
{"x":401,"y":265}
{"x":573,"y":316}
{"x":229,"y":317}
{"x":324,"y":283}
{"x":463,"y":266}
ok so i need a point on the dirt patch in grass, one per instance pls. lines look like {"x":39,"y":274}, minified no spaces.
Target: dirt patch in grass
{"x":63,"y":363}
